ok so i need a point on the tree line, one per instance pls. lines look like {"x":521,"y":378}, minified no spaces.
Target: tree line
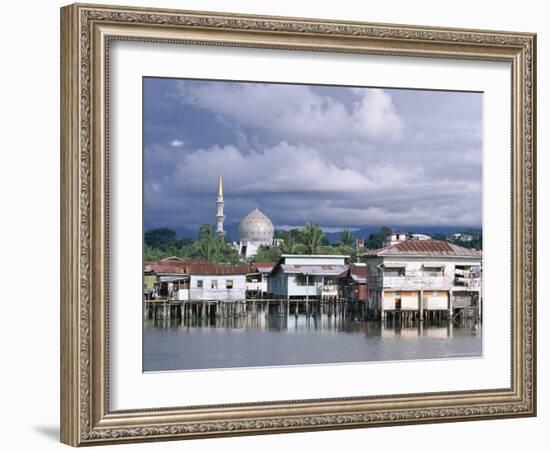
{"x":162,"y":242}
{"x":309,"y":239}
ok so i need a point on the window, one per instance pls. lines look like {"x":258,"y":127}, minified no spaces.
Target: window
{"x":394,"y":271}
{"x":433,"y":271}
{"x":214,"y":284}
{"x":304,"y":280}
{"x":199,"y":284}
{"x":229,"y":284}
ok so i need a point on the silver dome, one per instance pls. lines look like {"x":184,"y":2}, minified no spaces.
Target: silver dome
{"x":256,"y":227}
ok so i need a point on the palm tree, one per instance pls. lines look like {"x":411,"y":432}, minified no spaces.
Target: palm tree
{"x":205,"y":245}
{"x":311,"y":237}
{"x":290,"y":245}
{"x":346,"y":238}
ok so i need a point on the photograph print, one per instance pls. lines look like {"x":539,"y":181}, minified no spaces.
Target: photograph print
{"x":298,"y":224}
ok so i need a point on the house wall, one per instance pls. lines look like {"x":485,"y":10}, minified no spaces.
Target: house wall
{"x":149,"y":282}
{"x":436,"y":300}
{"x":182,"y":294}
{"x":277,"y":283}
{"x":295,"y":290}
{"x":409,"y":300}
{"x":221,"y":293}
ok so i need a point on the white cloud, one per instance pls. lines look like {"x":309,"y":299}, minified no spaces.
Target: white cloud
{"x":282,"y":168}
{"x":297,"y":183}
{"x":176,"y":143}
{"x":296,"y":111}
{"x":377,"y":115}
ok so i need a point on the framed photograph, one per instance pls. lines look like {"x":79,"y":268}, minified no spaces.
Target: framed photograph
{"x":278,"y":224}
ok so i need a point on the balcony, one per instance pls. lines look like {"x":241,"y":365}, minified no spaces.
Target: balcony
{"x":468,"y":284}
{"x":329,"y":291}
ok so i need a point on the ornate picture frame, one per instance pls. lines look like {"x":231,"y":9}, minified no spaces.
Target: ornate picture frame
{"x":87,"y":31}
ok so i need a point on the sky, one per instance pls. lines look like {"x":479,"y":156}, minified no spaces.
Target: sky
{"x":343,"y":157}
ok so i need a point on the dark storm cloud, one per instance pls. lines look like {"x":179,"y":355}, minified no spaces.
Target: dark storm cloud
{"x":343,"y":157}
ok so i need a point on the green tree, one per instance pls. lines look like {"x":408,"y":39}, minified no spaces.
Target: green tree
{"x":326,"y":250}
{"x":376,"y":239}
{"x":346,"y":238}
{"x":160,"y":238}
{"x":291,"y":244}
{"x":213,"y":247}
{"x":342,"y":249}
{"x":161,"y":243}
{"x":267,"y":254}
{"x":152,"y":254}
{"x":205,"y":245}
{"x":311,"y":237}
{"x":224,"y":251}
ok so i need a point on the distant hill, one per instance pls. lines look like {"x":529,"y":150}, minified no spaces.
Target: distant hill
{"x":232,"y":231}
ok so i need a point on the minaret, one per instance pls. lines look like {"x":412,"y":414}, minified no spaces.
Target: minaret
{"x":219,"y":207}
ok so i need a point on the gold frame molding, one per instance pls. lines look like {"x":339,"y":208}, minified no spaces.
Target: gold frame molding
{"x":86,"y":31}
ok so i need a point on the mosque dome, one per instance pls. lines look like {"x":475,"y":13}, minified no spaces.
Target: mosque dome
{"x":256,"y":227}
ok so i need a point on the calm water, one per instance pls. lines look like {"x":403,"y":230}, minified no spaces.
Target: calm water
{"x":270,"y":340}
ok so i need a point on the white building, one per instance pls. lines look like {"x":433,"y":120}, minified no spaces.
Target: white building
{"x":198,"y":280}
{"x":399,"y":236}
{"x":428,"y":275}
{"x":462,"y":237}
{"x":395,"y":237}
{"x":420,"y":237}
{"x":255,"y":230}
{"x":306,"y":276}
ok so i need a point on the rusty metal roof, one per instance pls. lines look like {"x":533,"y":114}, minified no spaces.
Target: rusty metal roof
{"x":194,"y":267}
{"x":357,"y":273}
{"x":424,"y":248}
{"x":262,"y":267}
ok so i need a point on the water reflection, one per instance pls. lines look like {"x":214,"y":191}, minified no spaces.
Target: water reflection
{"x":274,"y":336}
{"x":343,"y":320}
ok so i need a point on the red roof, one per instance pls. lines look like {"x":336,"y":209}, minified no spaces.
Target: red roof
{"x":194,"y":267}
{"x":262,"y":265}
{"x":358,"y":273}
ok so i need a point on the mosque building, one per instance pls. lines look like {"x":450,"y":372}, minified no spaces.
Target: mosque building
{"x":255,"y":230}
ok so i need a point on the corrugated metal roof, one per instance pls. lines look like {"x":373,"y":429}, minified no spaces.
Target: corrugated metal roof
{"x":164,"y":267}
{"x":424,"y":248}
{"x":194,"y":267}
{"x":358,"y":273}
{"x":262,"y":267}
{"x":311,"y":269}
{"x":216,"y":269}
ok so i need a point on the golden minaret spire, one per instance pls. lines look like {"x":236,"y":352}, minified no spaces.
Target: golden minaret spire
{"x":220,"y":186}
